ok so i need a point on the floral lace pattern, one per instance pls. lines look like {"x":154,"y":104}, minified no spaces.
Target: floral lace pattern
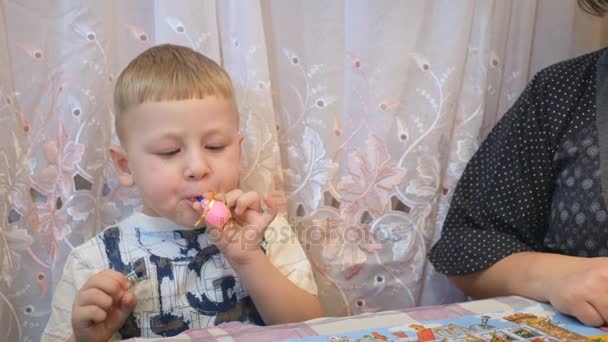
{"x":360,"y":131}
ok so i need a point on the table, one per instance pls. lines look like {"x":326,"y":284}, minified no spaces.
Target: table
{"x":240,"y":332}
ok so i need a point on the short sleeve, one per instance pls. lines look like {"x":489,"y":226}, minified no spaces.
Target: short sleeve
{"x":502,"y":201}
{"x":286,"y":254}
{"x":82,"y":263}
{"x":506,"y":197}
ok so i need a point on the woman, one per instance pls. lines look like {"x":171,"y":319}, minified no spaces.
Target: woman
{"x":529,"y":216}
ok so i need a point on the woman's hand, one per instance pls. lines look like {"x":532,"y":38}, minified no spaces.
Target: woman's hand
{"x":575,"y":286}
{"x":580,"y":288}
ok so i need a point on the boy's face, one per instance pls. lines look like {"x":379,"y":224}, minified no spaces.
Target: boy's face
{"x":175,"y":151}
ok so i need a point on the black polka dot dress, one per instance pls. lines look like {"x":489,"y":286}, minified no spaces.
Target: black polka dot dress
{"x":535,"y":184}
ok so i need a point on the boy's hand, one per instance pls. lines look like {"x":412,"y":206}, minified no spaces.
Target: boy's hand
{"x":101,"y":306}
{"x":241,"y":237}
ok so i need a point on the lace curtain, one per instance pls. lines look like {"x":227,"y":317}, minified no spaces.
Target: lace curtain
{"x":358,"y":117}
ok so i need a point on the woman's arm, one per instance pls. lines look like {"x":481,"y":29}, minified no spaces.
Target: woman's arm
{"x":573,"y":285}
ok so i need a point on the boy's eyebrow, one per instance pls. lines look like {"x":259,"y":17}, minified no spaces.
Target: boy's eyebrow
{"x":211,"y":132}
{"x":170,"y":136}
{"x":216,"y":131}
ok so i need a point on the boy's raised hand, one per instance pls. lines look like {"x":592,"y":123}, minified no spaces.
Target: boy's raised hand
{"x":101,"y":306}
{"x":241,"y":237}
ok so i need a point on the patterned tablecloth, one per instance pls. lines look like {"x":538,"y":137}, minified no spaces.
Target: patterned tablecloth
{"x":239,"y":332}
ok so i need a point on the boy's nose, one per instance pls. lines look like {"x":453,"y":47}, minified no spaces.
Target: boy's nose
{"x":197,"y":168}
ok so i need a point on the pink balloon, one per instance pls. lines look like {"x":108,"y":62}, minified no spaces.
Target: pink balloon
{"x":218,"y":213}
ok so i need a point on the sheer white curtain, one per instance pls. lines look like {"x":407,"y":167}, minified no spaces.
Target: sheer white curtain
{"x":358,"y":116}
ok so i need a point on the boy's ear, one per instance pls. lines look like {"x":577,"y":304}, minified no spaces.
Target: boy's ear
{"x":121,"y":164}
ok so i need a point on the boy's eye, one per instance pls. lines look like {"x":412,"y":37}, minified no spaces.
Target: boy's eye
{"x":214,"y":148}
{"x":169,"y":153}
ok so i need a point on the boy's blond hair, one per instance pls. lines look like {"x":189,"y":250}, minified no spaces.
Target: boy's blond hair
{"x":168,"y":72}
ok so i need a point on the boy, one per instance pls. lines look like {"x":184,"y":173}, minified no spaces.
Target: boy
{"x":155,"y":274}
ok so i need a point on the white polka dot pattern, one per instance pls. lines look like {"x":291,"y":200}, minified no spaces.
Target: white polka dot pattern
{"x":534,"y":184}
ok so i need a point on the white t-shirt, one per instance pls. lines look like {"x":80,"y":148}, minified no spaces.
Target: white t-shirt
{"x":180,"y":279}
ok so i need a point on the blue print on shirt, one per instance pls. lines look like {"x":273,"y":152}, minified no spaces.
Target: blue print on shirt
{"x":176,"y":314}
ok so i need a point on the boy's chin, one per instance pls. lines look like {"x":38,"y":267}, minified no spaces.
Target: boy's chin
{"x":182,"y":215}
{"x":186,"y":221}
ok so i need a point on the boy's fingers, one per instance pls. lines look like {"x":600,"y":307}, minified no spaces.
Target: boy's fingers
{"x":271,"y":211}
{"x":122,"y":311}
{"x":249,"y":200}
{"x":231,"y":198}
{"x":91,"y":314}
{"x":129,"y":300}
{"x":116,"y":276}
{"x":106,"y":284}
{"x":94,"y":296}
{"x":120,"y":278}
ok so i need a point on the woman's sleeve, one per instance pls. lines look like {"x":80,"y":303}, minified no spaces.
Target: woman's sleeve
{"x":501,"y":203}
